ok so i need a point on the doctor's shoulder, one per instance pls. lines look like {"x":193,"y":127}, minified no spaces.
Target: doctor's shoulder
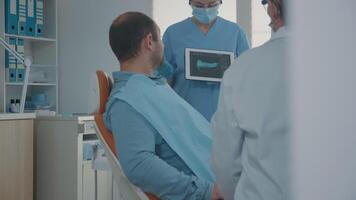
{"x":234,"y":26}
{"x":245,"y":60}
{"x":240,"y":67}
{"x":179,"y":27}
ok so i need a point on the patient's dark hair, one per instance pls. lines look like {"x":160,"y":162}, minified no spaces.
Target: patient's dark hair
{"x":126,"y":33}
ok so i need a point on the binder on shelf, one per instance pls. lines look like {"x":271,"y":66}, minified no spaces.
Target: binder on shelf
{"x":10,"y":74}
{"x":11,"y":16}
{"x":10,"y":62}
{"x":20,"y":70}
{"x":31,"y":18}
{"x":39,"y":18}
{"x":20,"y":75}
{"x":22,"y":17}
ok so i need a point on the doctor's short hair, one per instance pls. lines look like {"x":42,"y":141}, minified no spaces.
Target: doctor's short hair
{"x":280,"y":5}
{"x":127,"y":32}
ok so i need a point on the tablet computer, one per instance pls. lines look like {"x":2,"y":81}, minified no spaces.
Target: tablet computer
{"x":206,"y":65}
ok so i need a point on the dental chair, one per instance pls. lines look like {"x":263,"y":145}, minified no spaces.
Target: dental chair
{"x":127,"y":190}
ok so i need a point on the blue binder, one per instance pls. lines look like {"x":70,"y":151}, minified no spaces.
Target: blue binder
{"x":10,"y":62}
{"x":22,"y":17}
{"x":31,"y":18}
{"x":20,"y":75}
{"x":39,"y":18}
{"x":11,"y":16}
{"x":10,"y":74}
{"x":20,"y":68}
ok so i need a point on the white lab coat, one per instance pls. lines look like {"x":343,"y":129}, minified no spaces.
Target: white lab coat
{"x":250,"y":126}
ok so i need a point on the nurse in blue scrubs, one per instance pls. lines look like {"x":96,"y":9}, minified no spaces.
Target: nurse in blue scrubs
{"x":204,"y":30}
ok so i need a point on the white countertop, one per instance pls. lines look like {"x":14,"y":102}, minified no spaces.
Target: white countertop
{"x":67,"y":117}
{"x":17,"y":116}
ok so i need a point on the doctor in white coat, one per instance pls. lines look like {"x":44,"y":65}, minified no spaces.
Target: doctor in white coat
{"x":251,"y":129}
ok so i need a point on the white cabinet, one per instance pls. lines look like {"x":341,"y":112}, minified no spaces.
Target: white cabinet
{"x":43,"y":51}
{"x":63,"y":162}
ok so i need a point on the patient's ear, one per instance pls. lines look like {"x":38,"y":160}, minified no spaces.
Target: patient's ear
{"x":148,"y":42}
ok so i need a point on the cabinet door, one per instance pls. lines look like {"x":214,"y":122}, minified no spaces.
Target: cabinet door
{"x":16,"y":155}
{"x":104,"y":184}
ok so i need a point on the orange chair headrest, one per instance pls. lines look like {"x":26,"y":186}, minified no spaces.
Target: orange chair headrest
{"x":105,"y":85}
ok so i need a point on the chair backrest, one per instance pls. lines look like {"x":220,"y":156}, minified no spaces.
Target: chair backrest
{"x":105,"y":85}
{"x":106,"y":137}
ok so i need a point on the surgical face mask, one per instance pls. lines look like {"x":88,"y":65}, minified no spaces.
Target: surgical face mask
{"x":205,"y":15}
{"x":165,"y":69}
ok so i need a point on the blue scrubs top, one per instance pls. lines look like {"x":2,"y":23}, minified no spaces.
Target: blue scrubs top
{"x":223,"y":36}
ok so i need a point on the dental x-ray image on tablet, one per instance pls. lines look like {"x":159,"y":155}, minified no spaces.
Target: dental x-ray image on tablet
{"x":206,"y":65}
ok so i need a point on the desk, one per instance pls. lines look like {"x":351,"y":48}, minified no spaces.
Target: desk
{"x":16,"y":154}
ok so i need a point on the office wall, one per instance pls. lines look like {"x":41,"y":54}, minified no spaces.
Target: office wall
{"x":254,"y":19}
{"x":244,"y":16}
{"x":261,"y":32}
{"x":324,"y":99}
{"x":83,"y":46}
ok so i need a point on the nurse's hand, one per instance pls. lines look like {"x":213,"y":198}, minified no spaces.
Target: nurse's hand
{"x":216,"y":195}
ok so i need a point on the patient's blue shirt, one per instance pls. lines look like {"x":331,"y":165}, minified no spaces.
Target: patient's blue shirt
{"x":147,"y":160}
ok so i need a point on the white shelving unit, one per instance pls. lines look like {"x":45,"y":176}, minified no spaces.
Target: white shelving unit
{"x":44,"y":54}
{"x":31,"y":38}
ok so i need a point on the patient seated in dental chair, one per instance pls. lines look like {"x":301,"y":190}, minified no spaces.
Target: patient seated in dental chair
{"x":162,"y":143}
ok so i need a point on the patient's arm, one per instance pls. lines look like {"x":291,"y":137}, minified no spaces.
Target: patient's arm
{"x":135,"y":144}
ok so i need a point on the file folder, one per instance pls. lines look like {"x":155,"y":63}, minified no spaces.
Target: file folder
{"x":20,"y":68}
{"x":11,"y":16}
{"x":10,"y":74}
{"x":20,"y":75}
{"x":31,"y":18}
{"x":10,"y":62}
{"x":39,"y":18}
{"x":22,"y":17}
